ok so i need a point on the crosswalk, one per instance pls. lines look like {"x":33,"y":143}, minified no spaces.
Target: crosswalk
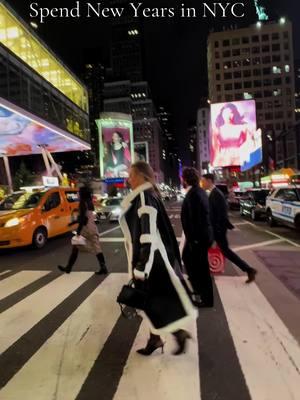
{"x":62,"y":338}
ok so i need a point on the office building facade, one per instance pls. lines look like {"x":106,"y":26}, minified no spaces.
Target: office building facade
{"x":257,"y":63}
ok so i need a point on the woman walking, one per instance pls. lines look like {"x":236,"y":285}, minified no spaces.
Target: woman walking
{"x":153,"y":255}
{"x":88,"y":229}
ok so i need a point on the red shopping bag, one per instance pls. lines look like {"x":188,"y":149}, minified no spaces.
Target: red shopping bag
{"x":216,"y":260}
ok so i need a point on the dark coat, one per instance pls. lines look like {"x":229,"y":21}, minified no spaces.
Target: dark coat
{"x":152,"y":252}
{"x":219,"y":212}
{"x":195,"y":218}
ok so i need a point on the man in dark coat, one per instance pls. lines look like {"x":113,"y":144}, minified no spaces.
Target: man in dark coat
{"x":221,"y":223}
{"x":199,"y":237}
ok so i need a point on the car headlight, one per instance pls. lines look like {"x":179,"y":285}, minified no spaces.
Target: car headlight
{"x":12,"y":222}
{"x":116,"y":211}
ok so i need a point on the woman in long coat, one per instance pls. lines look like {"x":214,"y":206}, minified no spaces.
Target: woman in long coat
{"x":88,"y":229}
{"x":153,"y":254}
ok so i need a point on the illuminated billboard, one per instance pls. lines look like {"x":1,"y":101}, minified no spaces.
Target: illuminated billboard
{"x":141,"y":151}
{"x":235,"y":139}
{"x":21,"y":133}
{"x":116,"y":144}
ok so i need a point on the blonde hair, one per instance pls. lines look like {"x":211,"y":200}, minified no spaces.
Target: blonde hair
{"x":145,"y":170}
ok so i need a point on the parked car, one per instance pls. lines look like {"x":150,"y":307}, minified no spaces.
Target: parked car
{"x":283,"y":206}
{"x":234,"y":198}
{"x":31,"y":217}
{"x":110,"y":209}
{"x":253,"y":203}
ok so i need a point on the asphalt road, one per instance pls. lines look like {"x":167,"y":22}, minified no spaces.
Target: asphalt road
{"x":62,"y":336}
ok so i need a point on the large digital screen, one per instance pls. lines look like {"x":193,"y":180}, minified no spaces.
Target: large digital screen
{"x":21,"y":133}
{"x":116,"y":144}
{"x":235,"y":139}
{"x":141,"y":151}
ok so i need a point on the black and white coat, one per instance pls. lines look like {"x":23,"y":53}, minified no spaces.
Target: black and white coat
{"x":152,"y":252}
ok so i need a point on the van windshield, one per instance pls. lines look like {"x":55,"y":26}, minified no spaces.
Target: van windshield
{"x":19,"y":201}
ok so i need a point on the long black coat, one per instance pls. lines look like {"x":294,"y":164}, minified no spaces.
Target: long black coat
{"x":195,"y":218}
{"x":219,"y":212}
{"x":152,"y":252}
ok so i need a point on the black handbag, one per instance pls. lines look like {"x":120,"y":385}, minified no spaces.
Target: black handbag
{"x":134,"y":295}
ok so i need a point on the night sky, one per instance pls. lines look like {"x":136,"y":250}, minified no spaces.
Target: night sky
{"x":175,"y":49}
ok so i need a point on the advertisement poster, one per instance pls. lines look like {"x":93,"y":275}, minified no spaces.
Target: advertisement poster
{"x":235,"y":139}
{"x":116,"y":144}
{"x":21,"y":135}
{"x":141,"y":151}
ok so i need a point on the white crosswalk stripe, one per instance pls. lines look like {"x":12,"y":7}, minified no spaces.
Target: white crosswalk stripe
{"x":268,"y":355}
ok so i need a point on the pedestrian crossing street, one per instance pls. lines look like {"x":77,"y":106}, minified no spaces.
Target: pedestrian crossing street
{"x":62,"y":338}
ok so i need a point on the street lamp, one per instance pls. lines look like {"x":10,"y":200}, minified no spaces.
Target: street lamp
{"x":282,"y":21}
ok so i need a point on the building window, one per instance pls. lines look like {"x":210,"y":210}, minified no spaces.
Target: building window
{"x":237,"y":64}
{"x":217,"y":54}
{"x":265,"y":48}
{"x":228,"y":97}
{"x":256,"y":61}
{"x":255,"y":50}
{"x":268,"y":105}
{"x":246,"y":62}
{"x":236,"y":52}
{"x":228,"y":86}
{"x":245,"y":40}
{"x":227,"y":65}
{"x":266,"y":59}
{"x":267,"y":93}
{"x":275,"y":36}
{"x":257,"y":72}
{"x":287,"y":68}
{"x":286,"y":46}
{"x":247,"y":85}
{"x":218,"y":77}
{"x":276,"y":70}
{"x":286,"y":35}
{"x":257,"y":84}
{"x":258,"y":95}
{"x":237,"y":85}
{"x":266,"y":71}
{"x":237,"y":74}
{"x":268,"y":116}
{"x":246,"y":51}
{"x":259,"y":106}
{"x":226,"y":53}
{"x":286,"y":57}
{"x":228,"y":75}
{"x":276,"y":47}
{"x":226,"y":43}
{"x":217,"y":65}
{"x":276,"y":58}
{"x":277,"y":92}
{"x":247,"y":73}
{"x":216,"y":44}
{"x":265,"y":38}
{"x":277,"y":81}
{"x":255,"y":39}
{"x":267,"y":82}
{"x":236,"y":41}
{"x":278,"y":114}
{"x":288,"y":80}
{"x":218,"y":88}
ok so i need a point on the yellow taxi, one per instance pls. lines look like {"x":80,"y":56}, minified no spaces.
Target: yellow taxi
{"x":31,"y":217}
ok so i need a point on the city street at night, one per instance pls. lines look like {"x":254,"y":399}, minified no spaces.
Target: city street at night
{"x":63,"y":336}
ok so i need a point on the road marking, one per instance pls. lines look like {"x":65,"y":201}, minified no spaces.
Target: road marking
{"x":62,"y":364}
{"x":136,"y":382}
{"x":260,"y":338}
{"x":259,"y":244}
{"x":243,"y":223}
{"x":20,"y":318}
{"x":5,"y":272}
{"x":283,"y":238}
{"x":19,"y":281}
{"x":121,"y":240}
{"x":109,"y":230}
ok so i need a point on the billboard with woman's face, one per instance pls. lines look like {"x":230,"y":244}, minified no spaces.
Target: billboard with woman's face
{"x":116,"y":144}
{"x":235,"y":139}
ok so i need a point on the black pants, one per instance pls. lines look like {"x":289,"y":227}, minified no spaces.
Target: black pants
{"x":195,"y":258}
{"x":222,"y":242}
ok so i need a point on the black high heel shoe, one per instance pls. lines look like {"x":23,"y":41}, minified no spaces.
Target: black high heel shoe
{"x":153,"y":344}
{"x":64,"y":269}
{"x":181,"y":337}
{"x":102,"y":271}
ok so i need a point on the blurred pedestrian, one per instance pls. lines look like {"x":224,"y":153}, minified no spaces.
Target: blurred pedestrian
{"x":153,"y":260}
{"x":221,"y":224}
{"x":198,"y":237}
{"x":87,"y":228}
